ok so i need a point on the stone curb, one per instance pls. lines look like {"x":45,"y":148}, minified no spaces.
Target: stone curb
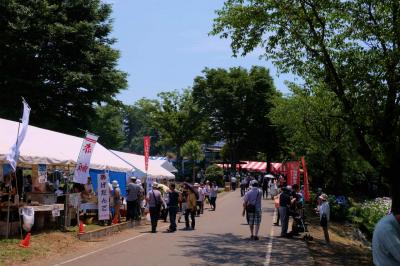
{"x":108,"y":230}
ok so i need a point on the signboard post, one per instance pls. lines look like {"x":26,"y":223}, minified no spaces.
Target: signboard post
{"x":42,"y":173}
{"x":103,"y":196}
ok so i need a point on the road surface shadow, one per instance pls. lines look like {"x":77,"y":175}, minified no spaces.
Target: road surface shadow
{"x":217,"y":249}
{"x":290,"y":251}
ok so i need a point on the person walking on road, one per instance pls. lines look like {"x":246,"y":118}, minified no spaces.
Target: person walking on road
{"x":265,"y":185}
{"x":252,"y":206}
{"x":213,"y":196}
{"x":134,"y":193}
{"x":173,"y":200}
{"x":183,"y":204}
{"x":191,"y":201}
{"x":233,"y":183}
{"x":284,"y":204}
{"x":243,"y":183}
{"x":154,"y":201}
{"x":206,"y":190}
{"x":200,"y":200}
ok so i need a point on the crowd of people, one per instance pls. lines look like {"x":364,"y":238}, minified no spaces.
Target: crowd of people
{"x":288,"y":200}
{"x":186,"y":201}
{"x":174,"y":201}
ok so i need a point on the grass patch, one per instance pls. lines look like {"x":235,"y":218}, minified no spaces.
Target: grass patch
{"x":11,"y":252}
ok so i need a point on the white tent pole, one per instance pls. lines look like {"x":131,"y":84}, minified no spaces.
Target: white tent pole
{"x":9,"y":194}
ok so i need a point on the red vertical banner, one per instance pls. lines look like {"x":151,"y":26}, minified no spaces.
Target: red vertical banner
{"x":146,"y":142}
{"x":293,"y":173}
{"x":305,"y":175}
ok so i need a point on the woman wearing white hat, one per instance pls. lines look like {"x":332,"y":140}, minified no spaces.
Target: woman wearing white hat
{"x":116,"y":199}
{"x":324,"y":215}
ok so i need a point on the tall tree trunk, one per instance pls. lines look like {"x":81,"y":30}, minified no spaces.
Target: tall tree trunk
{"x":194,"y":172}
{"x":268,"y":163}
{"x":338,"y":179}
{"x":179,"y":160}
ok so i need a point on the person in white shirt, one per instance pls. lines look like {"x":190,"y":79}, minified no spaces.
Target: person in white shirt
{"x":207,"y":192}
{"x":213,"y":195}
{"x":200,"y":200}
{"x":233,"y":183}
{"x":324,"y":216}
{"x":386,"y":241}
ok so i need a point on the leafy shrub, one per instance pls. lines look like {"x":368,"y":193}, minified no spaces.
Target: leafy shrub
{"x":214,"y":173}
{"x":339,"y":209}
{"x":367,"y":214}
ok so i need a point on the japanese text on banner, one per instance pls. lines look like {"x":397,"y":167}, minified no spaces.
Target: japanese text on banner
{"x":103,"y":197}
{"x":83,"y":164}
{"x":146,"y":142}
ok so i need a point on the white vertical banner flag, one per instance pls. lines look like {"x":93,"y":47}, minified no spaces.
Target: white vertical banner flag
{"x":13,"y":156}
{"x":103,"y":197}
{"x":82,"y":167}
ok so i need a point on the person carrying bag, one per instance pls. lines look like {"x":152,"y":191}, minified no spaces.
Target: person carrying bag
{"x":154,"y":201}
{"x":252,"y":206}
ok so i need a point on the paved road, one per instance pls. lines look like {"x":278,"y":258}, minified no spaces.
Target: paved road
{"x":220,"y":238}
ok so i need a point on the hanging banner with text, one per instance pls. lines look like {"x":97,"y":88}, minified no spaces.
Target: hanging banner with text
{"x":293,"y":173}
{"x":103,"y":196}
{"x":82,"y":167}
{"x":146,"y":144}
{"x":42,"y":173}
{"x":305,"y":175}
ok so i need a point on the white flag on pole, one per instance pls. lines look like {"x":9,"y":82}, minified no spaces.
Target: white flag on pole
{"x":13,"y":155}
{"x":83,"y":164}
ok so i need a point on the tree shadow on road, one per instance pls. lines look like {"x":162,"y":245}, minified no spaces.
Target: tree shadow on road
{"x":217,"y":249}
{"x":291,"y":251}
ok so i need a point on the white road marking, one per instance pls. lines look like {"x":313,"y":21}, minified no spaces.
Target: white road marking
{"x":113,"y":245}
{"x":269,"y":246}
{"x":104,"y":248}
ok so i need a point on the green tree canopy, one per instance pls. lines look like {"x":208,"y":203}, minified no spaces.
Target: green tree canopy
{"x":177,"y":120}
{"x":237,"y":103}
{"x":192,"y":150}
{"x":352,"y":47}
{"x":58,"y":55}
{"x":109,"y":126}
{"x":138,"y":123}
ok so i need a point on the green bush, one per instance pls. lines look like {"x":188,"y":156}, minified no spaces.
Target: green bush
{"x":339,"y":212}
{"x":214,"y":173}
{"x":366,"y":215}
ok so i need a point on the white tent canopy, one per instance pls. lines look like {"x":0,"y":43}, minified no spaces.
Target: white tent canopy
{"x":43,"y":146}
{"x":167,"y":166}
{"x":155,"y":169}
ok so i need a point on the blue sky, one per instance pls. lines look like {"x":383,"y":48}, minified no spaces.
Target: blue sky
{"x":164,"y":45}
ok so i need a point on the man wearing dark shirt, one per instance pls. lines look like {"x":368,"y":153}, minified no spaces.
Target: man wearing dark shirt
{"x":284,"y":203}
{"x":134,"y":193}
{"x":173,"y":200}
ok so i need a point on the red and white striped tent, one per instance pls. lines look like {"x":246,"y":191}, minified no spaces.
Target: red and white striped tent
{"x":256,"y":166}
